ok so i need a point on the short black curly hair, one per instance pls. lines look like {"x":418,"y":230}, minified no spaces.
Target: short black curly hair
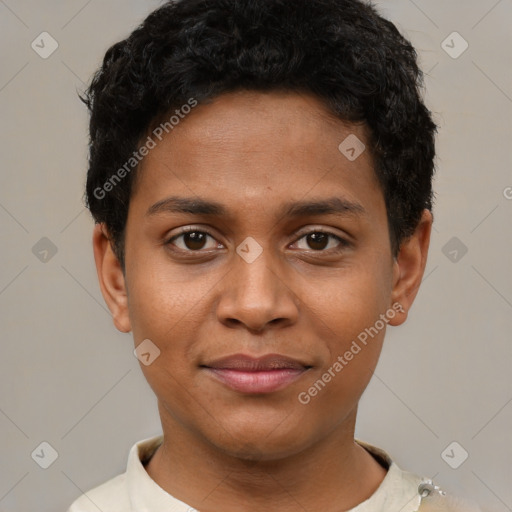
{"x":342,"y":51}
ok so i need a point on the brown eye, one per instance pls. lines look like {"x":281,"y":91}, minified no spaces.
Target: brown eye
{"x":322,"y":241}
{"x":317,"y":241}
{"x":192,"y":240}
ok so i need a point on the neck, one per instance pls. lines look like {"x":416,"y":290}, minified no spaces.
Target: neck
{"x":334,"y":474}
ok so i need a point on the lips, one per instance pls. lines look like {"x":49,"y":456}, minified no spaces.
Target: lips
{"x":247,"y":374}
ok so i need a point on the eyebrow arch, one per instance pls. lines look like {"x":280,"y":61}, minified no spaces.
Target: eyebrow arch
{"x":329,"y":206}
{"x":196,"y":206}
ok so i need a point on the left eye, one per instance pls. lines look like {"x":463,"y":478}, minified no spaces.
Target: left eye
{"x":319,"y":241}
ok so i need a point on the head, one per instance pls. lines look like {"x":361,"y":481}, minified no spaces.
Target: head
{"x":261,"y":178}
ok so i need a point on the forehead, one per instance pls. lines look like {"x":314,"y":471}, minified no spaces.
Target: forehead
{"x":294,"y":120}
{"x":287,"y":112}
{"x":254,"y":148}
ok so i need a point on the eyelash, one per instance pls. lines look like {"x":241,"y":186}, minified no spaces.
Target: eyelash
{"x":343,"y":244}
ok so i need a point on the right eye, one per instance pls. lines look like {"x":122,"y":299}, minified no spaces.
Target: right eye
{"x":192,"y":240}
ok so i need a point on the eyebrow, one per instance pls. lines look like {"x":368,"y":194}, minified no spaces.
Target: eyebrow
{"x":196,"y":206}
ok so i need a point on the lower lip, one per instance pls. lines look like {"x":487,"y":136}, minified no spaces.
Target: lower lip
{"x":256,"y":382}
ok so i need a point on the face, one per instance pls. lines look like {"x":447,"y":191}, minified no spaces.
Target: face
{"x":257,"y":254}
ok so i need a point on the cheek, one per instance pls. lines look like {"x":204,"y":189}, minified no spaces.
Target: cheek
{"x":163,"y":301}
{"x":346,"y":311}
{"x":353,"y":342}
{"x":169,"y":308}
{"x":167,"y":313}
{"x":348,"y":300}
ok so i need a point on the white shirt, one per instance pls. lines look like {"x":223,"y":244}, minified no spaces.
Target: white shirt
{"x":136,"y":491}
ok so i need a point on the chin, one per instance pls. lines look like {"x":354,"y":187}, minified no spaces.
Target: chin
{"x":256,"y":452}
{"x":263,"y":444}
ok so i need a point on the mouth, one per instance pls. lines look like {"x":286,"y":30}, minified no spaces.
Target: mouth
{"x":265,"y":374}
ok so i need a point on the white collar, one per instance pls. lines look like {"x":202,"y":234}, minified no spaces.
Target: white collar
{"x":398,"y":491}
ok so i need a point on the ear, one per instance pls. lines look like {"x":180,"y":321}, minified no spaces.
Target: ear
{"x":409,"y":267}
{"x":111,"y":278}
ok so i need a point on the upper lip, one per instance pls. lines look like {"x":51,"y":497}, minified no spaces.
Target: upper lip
{"x":255,"y":364}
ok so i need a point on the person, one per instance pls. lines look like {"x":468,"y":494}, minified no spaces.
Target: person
{"x":260,"y":176}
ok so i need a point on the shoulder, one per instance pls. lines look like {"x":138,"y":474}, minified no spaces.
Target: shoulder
{"x":111,"y":496}
{"x":435,"y":500}
{"x":114,"y":494}
{"x":399,"y":486}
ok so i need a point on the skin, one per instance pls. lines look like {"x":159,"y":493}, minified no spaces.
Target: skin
{"x":252,"y":152}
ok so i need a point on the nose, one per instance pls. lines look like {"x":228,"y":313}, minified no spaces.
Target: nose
{"x":257,"y":295}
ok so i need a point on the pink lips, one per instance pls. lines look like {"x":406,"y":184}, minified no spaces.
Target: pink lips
{"x":256,"y":375}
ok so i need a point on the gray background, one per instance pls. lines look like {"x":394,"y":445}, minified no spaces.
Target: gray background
{"x":69,"y":378}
